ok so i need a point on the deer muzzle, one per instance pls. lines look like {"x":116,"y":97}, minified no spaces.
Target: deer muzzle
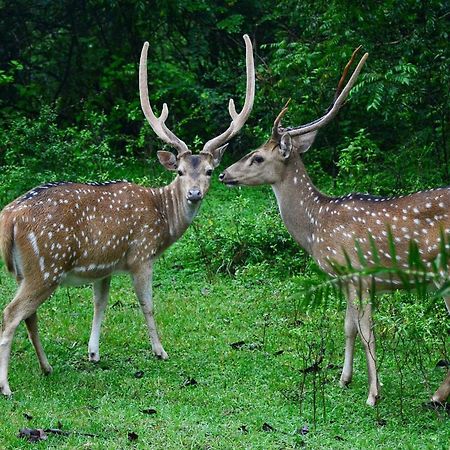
{"x":194,"y":194}
{"x":225,"y":178}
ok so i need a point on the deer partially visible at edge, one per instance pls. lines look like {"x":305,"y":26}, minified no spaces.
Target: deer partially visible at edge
{"x":73,"y":233}
{"x":338,"y":230}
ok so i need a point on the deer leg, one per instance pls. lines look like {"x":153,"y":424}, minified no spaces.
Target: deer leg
{"x":101,"y":293}
{"x":23,"y":306}
{"x":447,"y":303}
{"x":443,"y":391}
{"x":33,"y":335}
{"x":365,"y":330}
{"x":351,"y":330}
{"x":142,"y":280}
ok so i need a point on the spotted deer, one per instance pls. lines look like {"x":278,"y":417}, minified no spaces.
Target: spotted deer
{"x":74,"y":233}
{"x":336,"y":230}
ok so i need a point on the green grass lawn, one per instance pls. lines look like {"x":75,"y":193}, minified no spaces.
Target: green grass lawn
{"x":210,"y":394}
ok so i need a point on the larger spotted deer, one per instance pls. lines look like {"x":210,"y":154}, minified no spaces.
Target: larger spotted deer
{"x":73,"y":233}
{"x":339,"y":230}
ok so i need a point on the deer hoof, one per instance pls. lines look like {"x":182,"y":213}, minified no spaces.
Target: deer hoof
{"x":372,"y":400}
{"x":5,"y":390}
{"x":344,"y":382}
{"x":94,"y":357}
{"x":160,"y":353}
{"x":47,"y":370}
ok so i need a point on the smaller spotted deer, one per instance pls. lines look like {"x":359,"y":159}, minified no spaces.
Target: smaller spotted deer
{"x":335,"y":230}
{"x":73,"y":233}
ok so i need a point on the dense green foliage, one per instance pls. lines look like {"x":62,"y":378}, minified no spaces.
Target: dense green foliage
{"x":80,"y":60}
{"x":69,"y":110}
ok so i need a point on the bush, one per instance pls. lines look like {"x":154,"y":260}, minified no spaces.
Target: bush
{"x":39,"y":151}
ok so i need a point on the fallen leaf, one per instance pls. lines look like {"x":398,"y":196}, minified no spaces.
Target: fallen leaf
{"x":28,"y":416}
{"x":267,"y":427}
{"x":149,"y":411}
{"x":314,"y":367}
{"x":243,"y":429}
{"x":132,"y":436}
{"x":59,"y":432}
{"x":139,"y":374}
{"x":33,"y":434}
{"x":311,"y":369}
{"x":189,"y":382}
{"x":237,"y":345}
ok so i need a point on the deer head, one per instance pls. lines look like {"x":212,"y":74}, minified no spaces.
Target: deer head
{"x":194,"y":171}
{"x":267,"y":164}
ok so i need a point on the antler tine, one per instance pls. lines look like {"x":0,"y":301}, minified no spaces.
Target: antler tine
{"x":336,"y":105}
{"x":157,"y":123}
{"x":277,"y":123}
{"x":344,"y":74}
{"x":238,"y":120}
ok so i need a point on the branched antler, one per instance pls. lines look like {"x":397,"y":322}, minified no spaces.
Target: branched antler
{"x":157,"y":123}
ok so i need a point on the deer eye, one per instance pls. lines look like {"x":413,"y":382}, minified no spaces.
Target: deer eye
{"x":180,"y":172}
{"x":209,"y":172}
{"x":258,"y":159}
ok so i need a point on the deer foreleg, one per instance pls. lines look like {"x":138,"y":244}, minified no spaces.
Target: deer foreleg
{"x":358,"y":319}
{"x":351,"y":330}
{"x":101,"y":293}
{"x":142,"y":280}
{"x":365,"y":330}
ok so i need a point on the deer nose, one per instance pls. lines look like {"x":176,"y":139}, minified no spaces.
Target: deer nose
{"x":194,"y":194}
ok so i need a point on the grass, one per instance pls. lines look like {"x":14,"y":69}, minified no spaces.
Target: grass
{"x":211,"y":394}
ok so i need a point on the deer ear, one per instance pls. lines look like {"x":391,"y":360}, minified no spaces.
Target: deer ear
{"x":303,"y":142}
{"x":167,"y":159}
{"x":217,"y":155}
{"x":285,"y":145}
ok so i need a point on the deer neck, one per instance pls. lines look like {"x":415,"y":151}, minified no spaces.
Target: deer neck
{"x":299,"y":203}
{"x":178,"y":211}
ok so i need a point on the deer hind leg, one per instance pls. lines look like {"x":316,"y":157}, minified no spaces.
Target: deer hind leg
{"x":358,"y":319}
{"x":447,"y":303}
{"x":351,"y":330}
{"x":23,"y":306}
{"x":33,"y":334}
{"x":142,"y":280}
{"x":443,"y":392}
{"x":101,"y":293}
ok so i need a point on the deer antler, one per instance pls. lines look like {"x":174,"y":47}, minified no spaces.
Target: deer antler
{"x":238,"y":120}
{"x":277,"y":123}
{"x":344,"y":74}
{"x":157,"y":123}
{"x":339,"y":99}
